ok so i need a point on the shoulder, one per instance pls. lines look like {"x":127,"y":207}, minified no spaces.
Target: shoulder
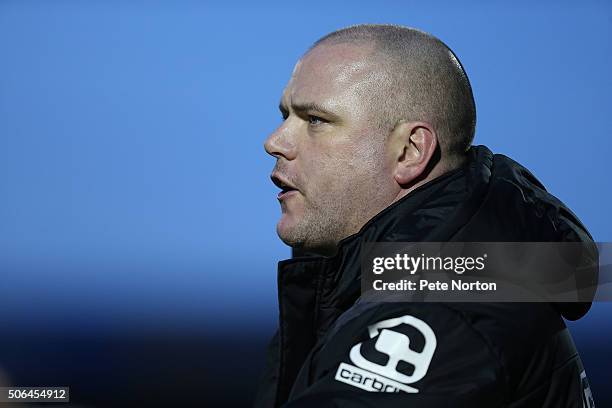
{"x":431,"y":347}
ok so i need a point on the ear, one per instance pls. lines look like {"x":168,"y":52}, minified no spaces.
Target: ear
{"x":413,"y":146}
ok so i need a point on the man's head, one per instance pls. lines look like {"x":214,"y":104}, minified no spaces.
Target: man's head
{"x":370,"y":113}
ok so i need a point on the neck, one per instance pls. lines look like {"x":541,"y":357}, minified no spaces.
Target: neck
{"x":431,"y":173}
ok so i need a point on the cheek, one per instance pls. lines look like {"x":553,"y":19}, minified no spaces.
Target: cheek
{"x":326,"y":172}
{"x":336,"y":170}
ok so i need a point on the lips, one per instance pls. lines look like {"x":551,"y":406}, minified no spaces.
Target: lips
{"x":282,"y":183}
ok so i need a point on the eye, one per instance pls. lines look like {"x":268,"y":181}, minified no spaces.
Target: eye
{"x":315,"y":120}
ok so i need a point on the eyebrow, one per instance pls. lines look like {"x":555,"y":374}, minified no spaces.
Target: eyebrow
{"x":309,"y":106}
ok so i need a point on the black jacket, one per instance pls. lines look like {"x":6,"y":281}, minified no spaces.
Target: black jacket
{"x":455,"y":354}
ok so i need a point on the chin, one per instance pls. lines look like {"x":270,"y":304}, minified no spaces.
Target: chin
{"x":298,"y":241}
{"x":293,"y":234}
{"x":286,"y":230}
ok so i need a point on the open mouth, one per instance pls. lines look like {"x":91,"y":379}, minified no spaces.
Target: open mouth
{"x":285,"y":187}
{"x":286,"y":190}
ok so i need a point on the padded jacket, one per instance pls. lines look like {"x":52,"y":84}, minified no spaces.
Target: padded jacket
{"x":333,"y":349}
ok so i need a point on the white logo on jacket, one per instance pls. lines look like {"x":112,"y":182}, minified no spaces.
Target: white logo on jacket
{"x":386,"y":378}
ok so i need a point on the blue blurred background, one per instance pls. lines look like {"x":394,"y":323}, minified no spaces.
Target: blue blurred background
{"x":137,"y":220}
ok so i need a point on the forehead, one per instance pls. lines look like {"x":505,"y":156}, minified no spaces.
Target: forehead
{"x":331,"y":73}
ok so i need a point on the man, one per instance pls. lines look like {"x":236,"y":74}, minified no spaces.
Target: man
{"x":375,"y":146}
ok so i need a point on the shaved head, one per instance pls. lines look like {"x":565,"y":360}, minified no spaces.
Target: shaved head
{"x":420,"y":79}
{"x":370,"y":113}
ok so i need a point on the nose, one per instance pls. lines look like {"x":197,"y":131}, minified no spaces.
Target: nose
{"x":281,"y":143}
